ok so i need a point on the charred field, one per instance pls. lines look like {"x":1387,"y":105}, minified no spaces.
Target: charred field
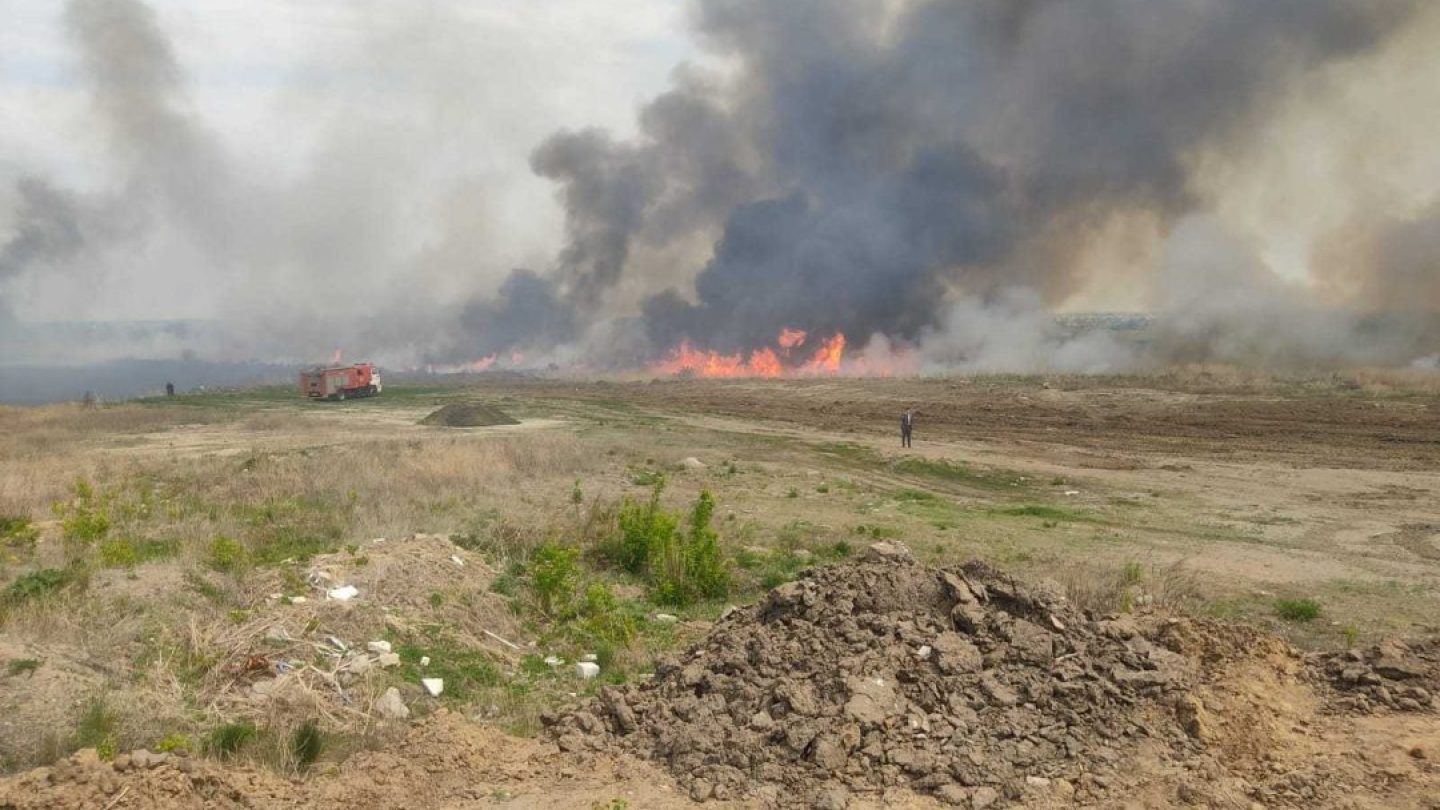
{"x":1260,"y":548}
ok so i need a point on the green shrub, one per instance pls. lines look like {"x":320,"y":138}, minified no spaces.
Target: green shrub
{"x":128,"y":553}
{"x":227,"y":740}
{"x":173,"y":743}
{"x":39,"y":584}
{"x":226,"y":555}
{"x":17,"y":531}
{"x":1297,"y":610}
{"x":642,"y":527}
{"x":685,"y":569}
{"x":96,"y":729}
{"x":85,"y":525}
{"x":602,"y":619}
{"x":554,"y":575}
{"x":306,"y":744}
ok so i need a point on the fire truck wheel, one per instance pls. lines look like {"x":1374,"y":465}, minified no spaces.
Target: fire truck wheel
{"x":340,"y":396}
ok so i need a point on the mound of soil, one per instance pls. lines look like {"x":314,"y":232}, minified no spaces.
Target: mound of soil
{"x":965,"y":684}
{"x":468,"y":414}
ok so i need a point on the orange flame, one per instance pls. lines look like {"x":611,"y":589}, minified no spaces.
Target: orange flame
{"x":790,"y":338}
{"x":481,"y":364}
{"x":764,"y":363}
{"x":827,"y":359}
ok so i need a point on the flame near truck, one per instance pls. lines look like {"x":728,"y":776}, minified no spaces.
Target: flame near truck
{"x":340,"y":382}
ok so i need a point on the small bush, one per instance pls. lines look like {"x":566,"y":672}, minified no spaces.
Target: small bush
{"x":642,"y":527}
{"x":306,"y":744}
{"x":174,"y":743}
{"x":226,"y":555}
{"x":1297,"y":610}
{"x":554,"y":575}
{"x":689,"y":568}
{"x":85,"y":525}
{"x":96,"y":729}
{"x":38,"y":585}
{"x":127,"y":553}
{"x":227,"y":740}
{"x":17,"y":531}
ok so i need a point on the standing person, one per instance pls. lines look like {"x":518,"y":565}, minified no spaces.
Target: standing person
{"x":169,"y":389}
{"x":907,"y":423}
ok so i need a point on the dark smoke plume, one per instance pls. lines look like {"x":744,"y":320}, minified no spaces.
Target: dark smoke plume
{"x":869,"y":164}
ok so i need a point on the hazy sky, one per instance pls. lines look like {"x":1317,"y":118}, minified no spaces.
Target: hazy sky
{"x":474,"y":84}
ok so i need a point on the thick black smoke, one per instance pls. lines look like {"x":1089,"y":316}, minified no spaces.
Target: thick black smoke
{"x":867,"y":163}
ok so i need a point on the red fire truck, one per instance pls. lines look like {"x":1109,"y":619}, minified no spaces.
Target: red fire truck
{"x":343,"y":382}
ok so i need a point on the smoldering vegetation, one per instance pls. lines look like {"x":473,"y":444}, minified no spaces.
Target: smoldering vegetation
{"x":938,"y":175}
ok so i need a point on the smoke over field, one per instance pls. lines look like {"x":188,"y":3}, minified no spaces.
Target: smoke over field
{"x":902,"y":186}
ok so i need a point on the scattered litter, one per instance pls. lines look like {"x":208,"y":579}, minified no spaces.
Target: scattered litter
{"x":433,"y":685}
{"x":455,"y":559}
{"x":424,"y":660}
{"x":275,"y":596}
{"x":924,"y":652}
{"x":344,"y":593}
{"x":378,"y":646}
{"x":1072,"y":492}
{"x":666,"y":618}
{"x":337,"y":643}
{"x":554,"y":660}
{"x":512,"y":645}
{"x":587,"y":670}
{"x":298,"y":600}
{"x":590,"y":657}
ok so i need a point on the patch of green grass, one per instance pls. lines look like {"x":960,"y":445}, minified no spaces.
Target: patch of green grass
{"x":647,"y":478}
{"x":465,"y":670}
{"x":174,"y":743}
{"x":306,"y":744}
{"x":956,"y":472}
{"x":40,"y":584}
{"x":1043,"y":511}
{"x":227,"y":740}
{"x":847,"y":451}
{"x":1297,"y":610}
{"x":97,"y":729}
{"x":22,"y":666}
{"x":17,"y":531}
{"x":227,"y":555}
{"x":129,"y":553}
{"x":915,"y":496}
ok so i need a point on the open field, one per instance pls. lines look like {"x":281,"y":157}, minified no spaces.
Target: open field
{"x":152,"y":551}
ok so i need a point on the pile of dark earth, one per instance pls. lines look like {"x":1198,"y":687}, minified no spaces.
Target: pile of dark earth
{"x":468,"y":414}
{"x":861,"y":678}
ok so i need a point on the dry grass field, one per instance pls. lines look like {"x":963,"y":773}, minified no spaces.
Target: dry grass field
{"x":164,"y":564}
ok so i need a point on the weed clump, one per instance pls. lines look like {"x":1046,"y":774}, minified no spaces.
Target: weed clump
{"x":306,"y":744}
{"x":227,"y":740}
{"x":1297,"y":610}
{"x":39,"y":584}
{"x":226,"y":555}
{"x":17,"y":531}
{"x":680,"y":567}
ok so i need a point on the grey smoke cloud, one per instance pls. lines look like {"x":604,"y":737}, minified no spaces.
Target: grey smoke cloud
{"x":868,"y":165}
{"x":935,"y":172}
